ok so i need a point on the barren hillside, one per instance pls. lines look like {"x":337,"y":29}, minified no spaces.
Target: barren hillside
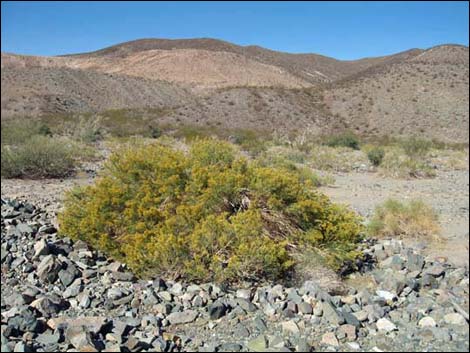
{"x":207,"y":82}
{"x":427,"y":94}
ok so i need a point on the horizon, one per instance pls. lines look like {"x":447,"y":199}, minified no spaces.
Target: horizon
{"x":365,"y":29}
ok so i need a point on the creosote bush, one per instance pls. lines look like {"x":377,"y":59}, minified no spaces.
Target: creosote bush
{"x":376,"y":155}
{"x":347,"y":139}
{"x":39,"y":157}
{"x":208,"y":214}
{"x":397,"y":219}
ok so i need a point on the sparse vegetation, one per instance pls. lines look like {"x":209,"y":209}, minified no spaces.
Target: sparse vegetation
{"x":347,"y":139}
{"x":397,"y":219}
{"x":376,"y":155}
{"x":209,"y":214}
{"x":38,"y":157}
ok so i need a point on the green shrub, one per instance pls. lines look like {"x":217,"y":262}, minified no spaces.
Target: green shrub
{"x":206,"y":215}
{"x":38,"y":157}
{"x":415,"y":147}
{"x":376,"y":155}
{"x":347,"y":139}
{"x":396,"y":219}
{"x":18,"y":131}
{"x":155,"y":132}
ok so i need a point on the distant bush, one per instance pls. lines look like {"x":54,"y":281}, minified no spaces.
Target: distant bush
{"x":397,"y":219}
{"x":38,"y":157}
{"x":347,"y":139}
{"x":155,"y":132}
{"x":376,"y":155}
{"x":336,"y":159}
{"x":206,"y":215}
{"x":415,"y":147}
{"x":398,"y":165}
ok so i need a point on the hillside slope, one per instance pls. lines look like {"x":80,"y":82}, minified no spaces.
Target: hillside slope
{"x":208,"y":82}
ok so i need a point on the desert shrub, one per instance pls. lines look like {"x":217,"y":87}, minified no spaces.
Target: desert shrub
{"x":397,"y":219}
{"x":336,"y":159}
{"x":415,"y":147}
{"x":376,"y":155}
{"x":398,"y":165}
{"x":155,"y":132}
{"x":206,"y":215}
{"x":38,"y":157}
{"x":347,"y":139}
{"x":17,"y":131}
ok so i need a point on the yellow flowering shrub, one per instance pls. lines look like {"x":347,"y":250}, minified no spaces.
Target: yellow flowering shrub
{"x":206,"y":215}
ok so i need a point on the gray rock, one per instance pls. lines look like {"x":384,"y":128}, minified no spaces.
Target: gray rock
{"x":331,"y":315}
{"x":74,"y":289}
{"x":305,"y":308}
{"x":182,"y":317}
{"x":48,"y":269}
{"x":217,"y":310}
{"x":244,"y":294}
{"x":80,"y":338}
{"x":258,"y":344}
{"x":40,"y":248}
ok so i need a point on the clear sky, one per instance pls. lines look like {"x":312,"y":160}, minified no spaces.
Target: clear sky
{"x":343,"y":30}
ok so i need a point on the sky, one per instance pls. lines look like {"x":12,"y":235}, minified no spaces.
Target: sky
{"x":343,"y":30}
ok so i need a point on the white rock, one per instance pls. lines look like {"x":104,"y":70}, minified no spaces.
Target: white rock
{"x":427,"y":321}
{"x":386,"y":294}
{"x":385,"y":325}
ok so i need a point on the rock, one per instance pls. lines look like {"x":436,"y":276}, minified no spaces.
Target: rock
{"x":415,"y":262}
{"x":80,"y":338}
{"x":166,"y":296}
{"x":40,"y":248}
{"x":24,"y":228}
{"x":74,"y":289}
{"x":290,"y":327}
{"x":331,"y":315}
{"x":435,"y":270}
{"x":23,"y":347}
{"x":229,"y":347}
{"x":305,"y":308}
{"x":385,"y":325}
{"x":427,"y":321}
{"x":244,"y":294}
{"x":259,"y":344}
{"x":389,"y":296}
{"x":46,"y":306}
{"x":48,"y":269}
{"x":176,"y":289}
{"x":182,"y":317}
{"x":352,"y":319}
{"x":260,"y":324}
{"x":318,"y":310}
{"x":48,"y":338}
{"x":394,"y":262}
{"x":217,"y":310}
{"x":454,"y":319}
{"x":349,"y":331}
{"x":92,"y":324}
{"x":330,"y":339}
{"x":67,"y":276}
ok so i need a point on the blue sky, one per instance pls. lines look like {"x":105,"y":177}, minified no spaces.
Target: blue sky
{"x":343,"y":30}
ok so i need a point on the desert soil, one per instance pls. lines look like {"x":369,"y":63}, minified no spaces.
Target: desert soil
{"x":447,"y":193}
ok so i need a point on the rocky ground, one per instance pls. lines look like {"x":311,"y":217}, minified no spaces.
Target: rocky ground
{"x":59,"y":295}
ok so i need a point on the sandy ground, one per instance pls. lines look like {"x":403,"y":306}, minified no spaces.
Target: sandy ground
{"x":448,"y":194}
